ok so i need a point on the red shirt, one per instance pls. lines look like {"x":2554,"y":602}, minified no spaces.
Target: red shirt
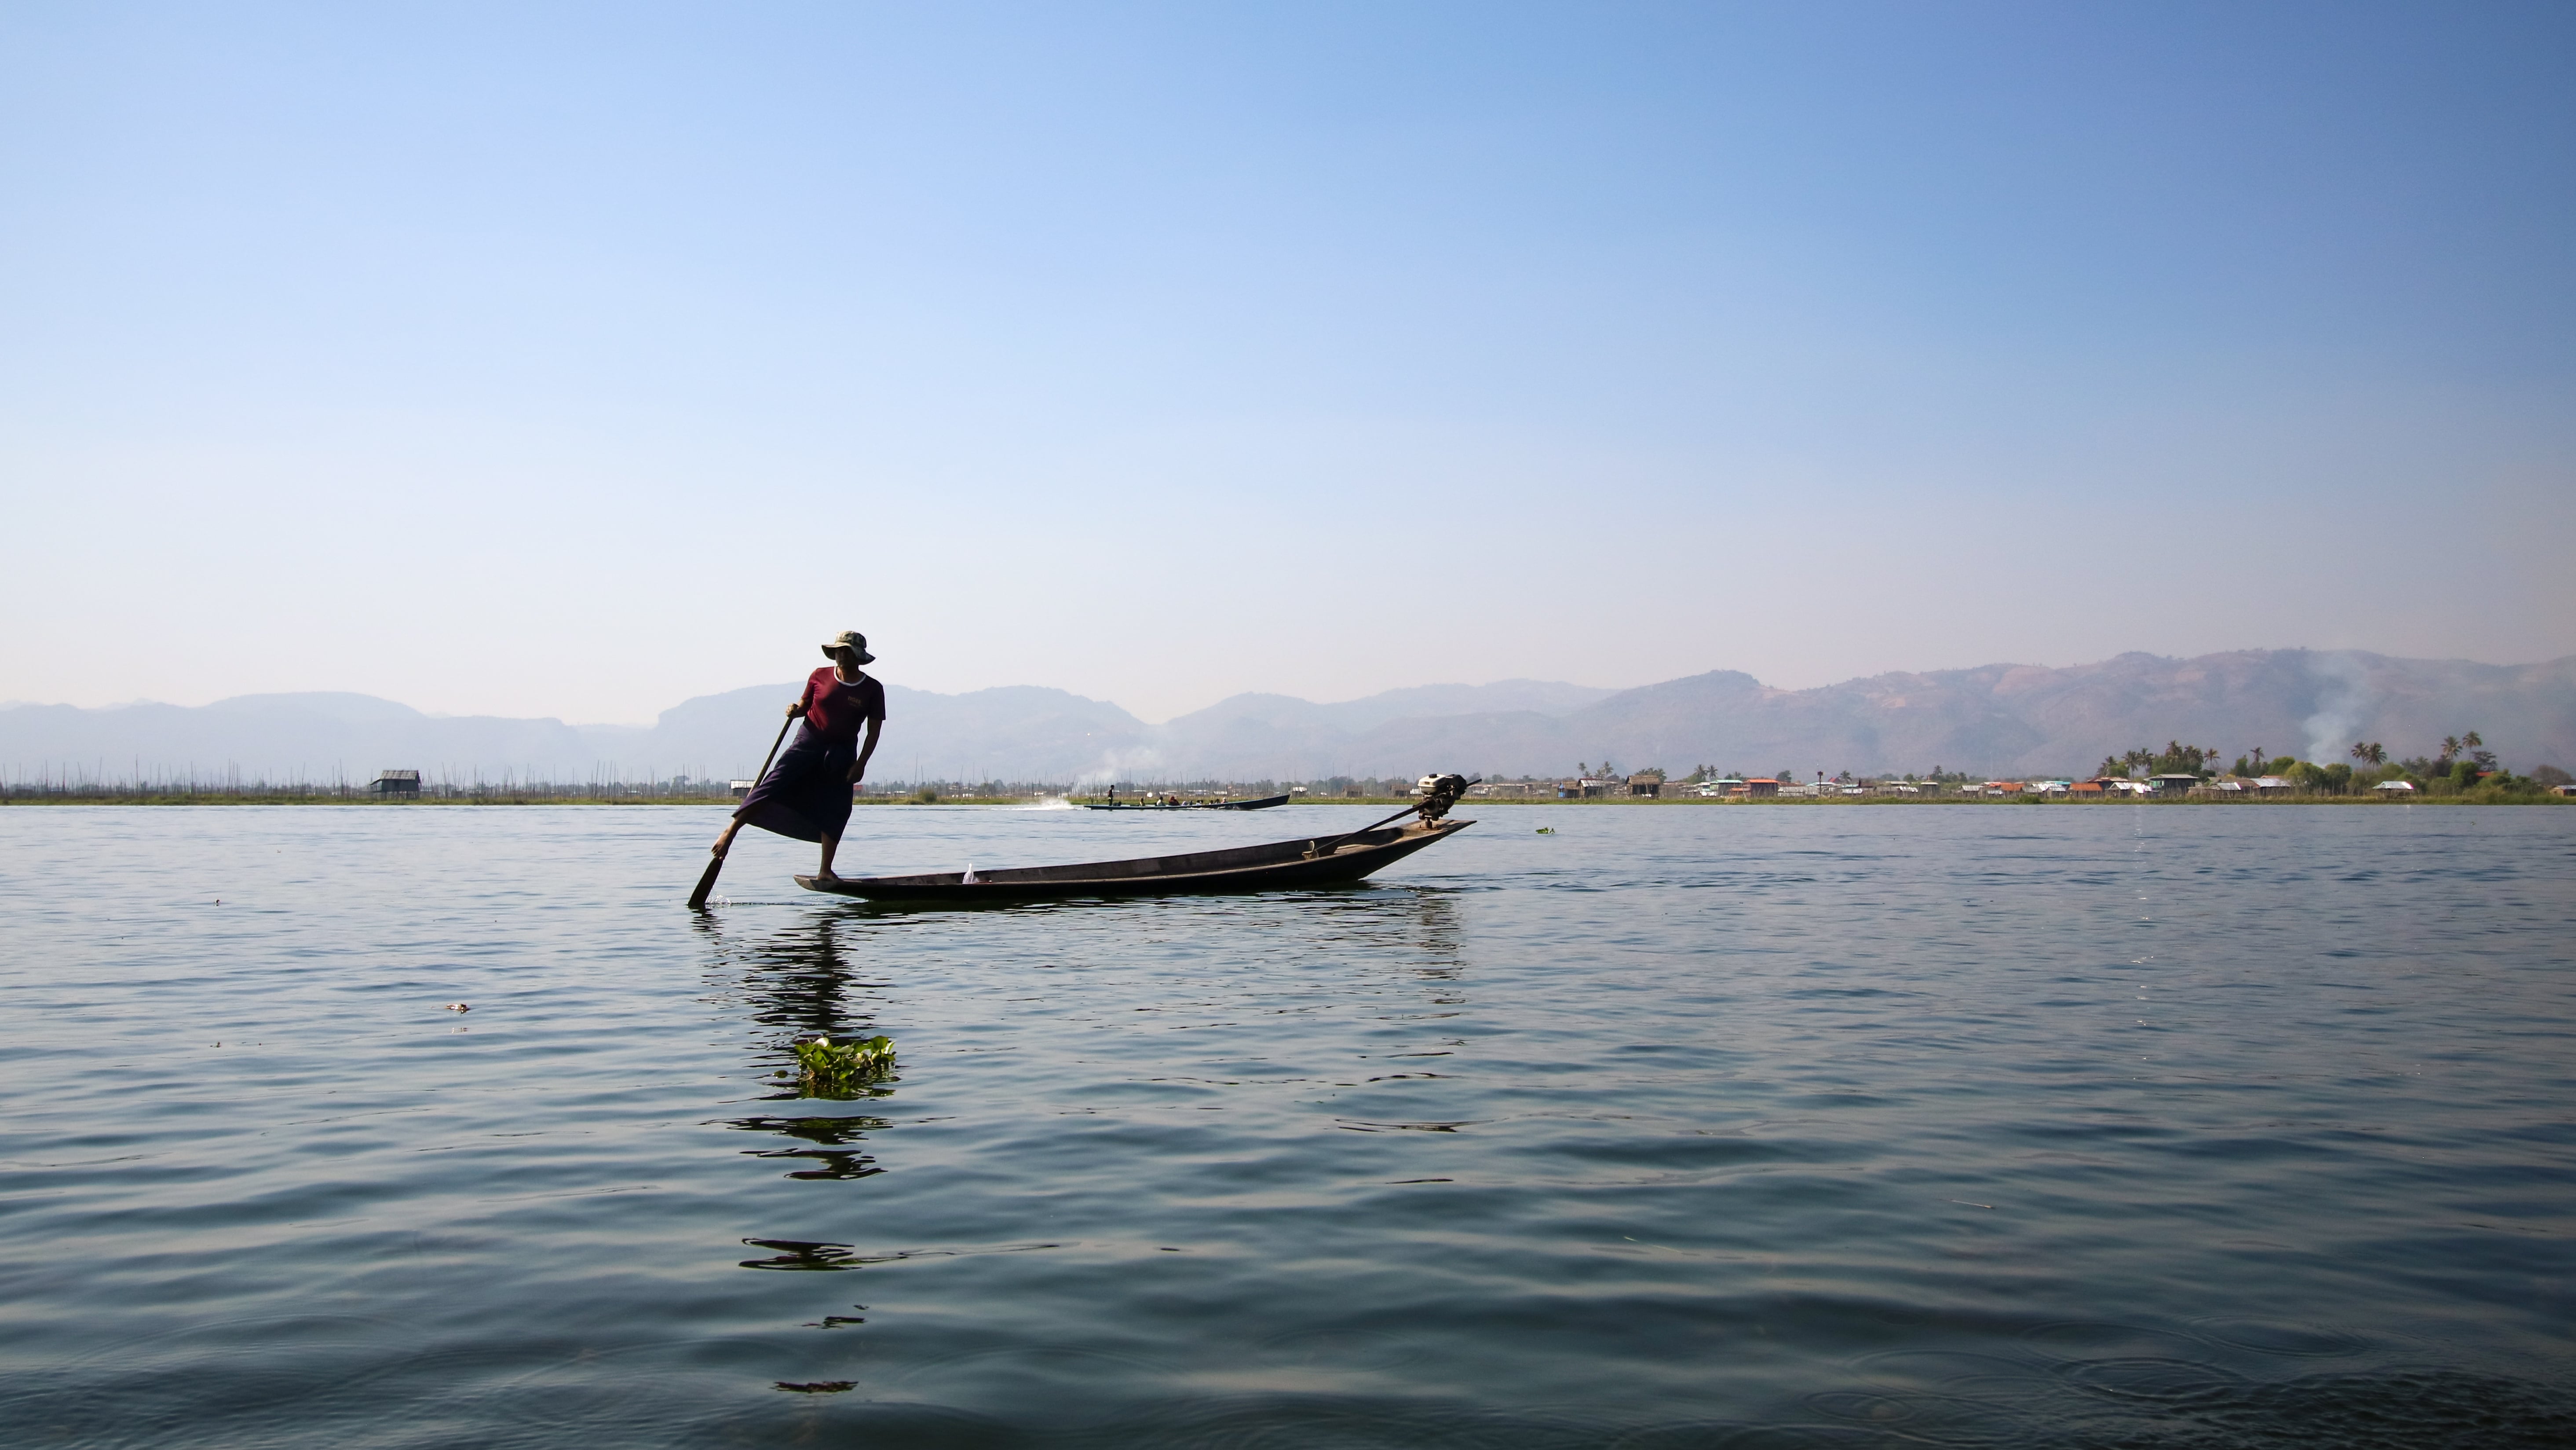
{"x":837,"y":711}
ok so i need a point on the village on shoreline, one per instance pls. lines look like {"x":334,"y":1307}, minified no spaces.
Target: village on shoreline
{"x":2461,"y":771}
{"x":1638,"y":789}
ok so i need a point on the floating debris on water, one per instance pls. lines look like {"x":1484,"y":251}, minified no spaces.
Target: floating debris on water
{"x":458,"y":1007}
{"x":831,"y":1067}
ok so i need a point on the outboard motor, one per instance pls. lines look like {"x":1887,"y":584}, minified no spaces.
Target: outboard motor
{"x":1439,"y":793}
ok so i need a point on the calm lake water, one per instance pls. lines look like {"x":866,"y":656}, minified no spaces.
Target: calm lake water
{"x":1758,"y":1127}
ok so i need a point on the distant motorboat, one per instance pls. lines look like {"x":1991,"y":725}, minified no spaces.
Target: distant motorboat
{"x":1177,"y":804}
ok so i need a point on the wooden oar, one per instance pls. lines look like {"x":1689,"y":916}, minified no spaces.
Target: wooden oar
{"x":707,"y":882}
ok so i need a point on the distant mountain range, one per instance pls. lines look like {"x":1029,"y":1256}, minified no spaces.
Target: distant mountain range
{"x":2005,"y":719}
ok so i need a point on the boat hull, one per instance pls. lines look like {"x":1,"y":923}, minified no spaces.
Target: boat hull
{"x":1277,"y":866}
{"x":1263,"y":804}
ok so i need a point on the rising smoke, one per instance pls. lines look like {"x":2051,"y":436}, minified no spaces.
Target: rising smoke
{"x":2344,"y":700}
{"x":1142,"y":763}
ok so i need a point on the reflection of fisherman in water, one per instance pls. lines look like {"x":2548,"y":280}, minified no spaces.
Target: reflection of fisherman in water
{"x":796,"y":984}
{"x":830,"y":1156}
{"x":797,"y":980}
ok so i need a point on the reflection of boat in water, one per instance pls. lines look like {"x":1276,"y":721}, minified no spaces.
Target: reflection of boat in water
{"x":1278,"y":866}
{"x":1175,"y":803}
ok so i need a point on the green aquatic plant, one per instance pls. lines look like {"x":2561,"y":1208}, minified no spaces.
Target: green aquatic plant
{"x":834,"y":1067}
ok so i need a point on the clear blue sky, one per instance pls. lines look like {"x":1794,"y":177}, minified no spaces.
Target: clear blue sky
{"x":571,"y":361}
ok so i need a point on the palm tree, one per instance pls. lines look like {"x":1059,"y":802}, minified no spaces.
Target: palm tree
{"x":2369,"y":752}
{"x":2471,"y":740}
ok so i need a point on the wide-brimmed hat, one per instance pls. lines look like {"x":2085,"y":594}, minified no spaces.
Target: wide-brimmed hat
{"x":850,"y":639}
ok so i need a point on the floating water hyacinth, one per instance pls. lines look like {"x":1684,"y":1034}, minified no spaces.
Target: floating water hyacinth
{"x":831,"y":1067}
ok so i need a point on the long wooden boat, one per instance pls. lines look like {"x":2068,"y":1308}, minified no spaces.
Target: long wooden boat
{"x":1278,"y":866}
{"x":1263,"y":804}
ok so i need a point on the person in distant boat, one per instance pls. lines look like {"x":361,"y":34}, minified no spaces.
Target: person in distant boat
{"x":806,"y":795}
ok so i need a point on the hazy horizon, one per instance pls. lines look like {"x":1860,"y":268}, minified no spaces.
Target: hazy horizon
{"x":787,"y":680}
{"x":563,"y":362}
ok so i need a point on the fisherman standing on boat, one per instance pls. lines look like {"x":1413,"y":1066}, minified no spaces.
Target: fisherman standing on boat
{"x":806,"y":795}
